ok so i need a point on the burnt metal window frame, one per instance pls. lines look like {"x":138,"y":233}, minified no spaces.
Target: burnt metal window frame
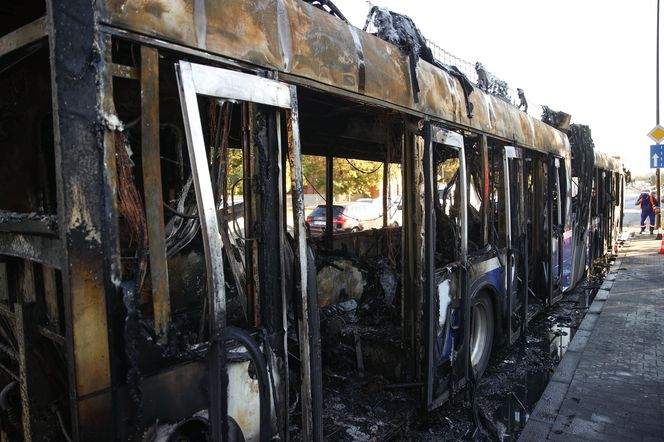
{"x":196,"y":79}
{"x":560,"y":196}
{"x":499,"y":194}
{"x":439,"y":135}
{"x":509,"y":152}
{"x":454,"y":140}
{"x":476,"y":190}
{"x":514,"y":198}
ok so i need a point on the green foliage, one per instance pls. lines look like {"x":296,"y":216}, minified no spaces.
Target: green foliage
{"x":357,"y":176}
{"x":313,"y":169}
{"x":235,"y":170}
{"x":350,"y":176}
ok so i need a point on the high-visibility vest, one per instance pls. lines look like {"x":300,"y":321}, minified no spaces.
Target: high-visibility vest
{"x":652,"y":202}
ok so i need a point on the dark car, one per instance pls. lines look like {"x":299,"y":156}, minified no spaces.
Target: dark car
{"x":350,"y":217}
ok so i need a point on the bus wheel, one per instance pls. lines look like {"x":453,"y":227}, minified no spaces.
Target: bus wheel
{"x":481,"y":333}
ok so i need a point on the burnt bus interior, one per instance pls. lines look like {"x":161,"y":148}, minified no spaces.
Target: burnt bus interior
{"x":152,"y":235}
{"x":605,"y":222}
{"x":31,"y":302}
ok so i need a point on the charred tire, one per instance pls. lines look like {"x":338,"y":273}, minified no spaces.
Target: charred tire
{"x":481,"y":332}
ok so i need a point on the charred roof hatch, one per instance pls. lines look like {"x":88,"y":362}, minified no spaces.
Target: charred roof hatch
{"x":400,"y":30}
{"x":558,"y":119}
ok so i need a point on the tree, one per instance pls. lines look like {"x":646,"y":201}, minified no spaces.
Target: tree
{"x":357,"y":176}
{"x":349,"y":176}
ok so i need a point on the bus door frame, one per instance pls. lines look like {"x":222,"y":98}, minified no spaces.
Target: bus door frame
{"x":555,"y":231}
{"x":516,"y":265}
{"x":439,"y":135}
{"x":196,"y":79}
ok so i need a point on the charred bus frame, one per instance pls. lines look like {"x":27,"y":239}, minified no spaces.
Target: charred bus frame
{"x":607,"y":207}
{"x":95,"y":343}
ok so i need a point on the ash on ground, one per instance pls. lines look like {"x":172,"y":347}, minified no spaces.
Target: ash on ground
{"x":359,"y":408}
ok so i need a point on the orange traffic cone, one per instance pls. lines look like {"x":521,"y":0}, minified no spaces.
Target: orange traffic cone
{"x":661,"y":248}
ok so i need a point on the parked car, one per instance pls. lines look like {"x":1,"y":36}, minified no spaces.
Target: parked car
{"x":350,"y":217}
{"x":394,"y":209}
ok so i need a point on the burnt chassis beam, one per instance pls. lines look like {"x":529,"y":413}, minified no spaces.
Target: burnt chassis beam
{"x":87,"y":214}
{"x":152,"y":189}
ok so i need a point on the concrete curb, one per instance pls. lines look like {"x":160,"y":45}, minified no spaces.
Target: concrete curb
{"x":541,"y":420}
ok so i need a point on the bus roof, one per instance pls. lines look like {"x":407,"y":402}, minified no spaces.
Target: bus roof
{"x":606,"y":162}
{"x":319,"y":50}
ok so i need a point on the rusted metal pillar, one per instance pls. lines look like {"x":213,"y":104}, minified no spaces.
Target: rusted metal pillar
{"x":248,"y":198}
{"x":430,"y":294}
{"x":111,"y":245}
{"x":87,"y":219}
{"x":408,"y":260}
{"x":413,"y":247}
{"x":154,"y":211}
{"x":267,"y":225}
{"x":268,"y":229}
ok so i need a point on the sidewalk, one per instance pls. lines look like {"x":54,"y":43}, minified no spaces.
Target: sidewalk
{"x":610,"y":384}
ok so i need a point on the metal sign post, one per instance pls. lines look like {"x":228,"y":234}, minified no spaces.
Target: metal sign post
{"x":657,"y":134}
{"x":658,"y":223}
{"x":656,"y":160}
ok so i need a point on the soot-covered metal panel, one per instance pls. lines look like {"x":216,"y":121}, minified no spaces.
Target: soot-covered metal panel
{"x":242,"y":29}
{"x":299,"y":39}
{"x":604,"y":161}
{"x":386,"y":71}
{"x":318,"y":52}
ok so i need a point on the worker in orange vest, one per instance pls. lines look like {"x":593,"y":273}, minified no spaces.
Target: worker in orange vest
{"x":648,"y":205}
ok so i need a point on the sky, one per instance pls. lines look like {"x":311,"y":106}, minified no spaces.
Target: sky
{"x":592,"y":59}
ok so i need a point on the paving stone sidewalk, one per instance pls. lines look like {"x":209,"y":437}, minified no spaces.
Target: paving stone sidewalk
{"x":610,"y":384}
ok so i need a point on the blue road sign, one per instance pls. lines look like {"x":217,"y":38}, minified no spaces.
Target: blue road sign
{"x":656,"y":156}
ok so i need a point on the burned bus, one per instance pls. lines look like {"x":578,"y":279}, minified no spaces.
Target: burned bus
{"x":606,"y":206}
{"x":158,"y":277}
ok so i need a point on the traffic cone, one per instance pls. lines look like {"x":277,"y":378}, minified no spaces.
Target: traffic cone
{"x":661,"y":248}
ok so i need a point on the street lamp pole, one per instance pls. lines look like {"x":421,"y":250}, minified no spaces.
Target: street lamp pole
{"x":658,"y":222}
